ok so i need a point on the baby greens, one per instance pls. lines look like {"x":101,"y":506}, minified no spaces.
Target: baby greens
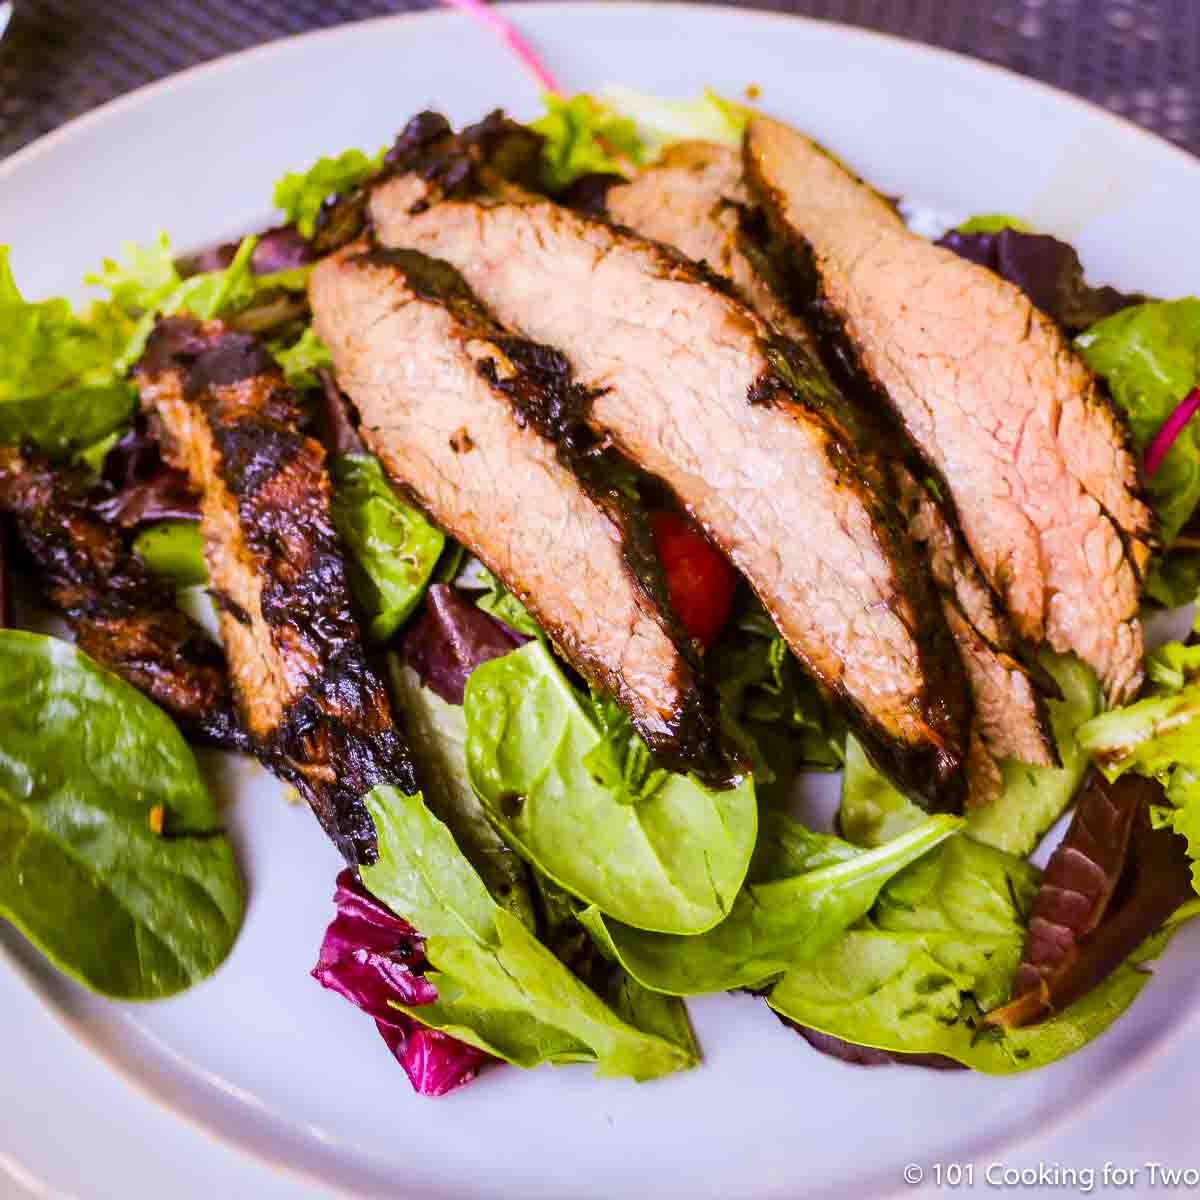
{"x":804,"y":890}
{"x":669,"y":858}
{"x":174,"y":549}
{"x":300,"y":194}
{"x":938,"y":951}
{"x":1031,"y":798}
{"x":111,"y":859}
{"x":393,"y":548}
{"x":499,"y":988}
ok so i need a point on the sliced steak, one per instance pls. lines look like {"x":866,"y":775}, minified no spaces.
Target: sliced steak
{"x":485,"y":430}
{"x":317,"y":710}
{"x":747,"y":430}
{"x":123,"y":616}
{"x":695,"y":199}
{"x":988,"y":388}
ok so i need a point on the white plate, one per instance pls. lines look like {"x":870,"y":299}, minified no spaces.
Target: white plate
{"x":260,"y":1056}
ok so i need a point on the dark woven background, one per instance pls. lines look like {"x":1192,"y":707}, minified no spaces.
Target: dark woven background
{"x":1140,"y":58}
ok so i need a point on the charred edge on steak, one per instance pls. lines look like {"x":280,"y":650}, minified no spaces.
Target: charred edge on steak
{"x":545,"y":396}
{"x":335,"y":741}
{"x":123,"y":616}
{"x":451,"y":162}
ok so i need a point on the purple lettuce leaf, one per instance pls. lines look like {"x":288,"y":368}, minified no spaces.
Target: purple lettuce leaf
{"x":370,"y":956}
{"x":138,"y":486}
{"x":869,"y":1056}
{"x":450,"y":638}
{"x":1046,"y":270}
{"x":278,"y":249}
{"x":5,"y":595}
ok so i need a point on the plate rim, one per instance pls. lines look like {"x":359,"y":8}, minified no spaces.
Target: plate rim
{"x":83,"y":125}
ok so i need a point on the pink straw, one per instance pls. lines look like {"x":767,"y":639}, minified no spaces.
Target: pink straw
{"x":1172,"y":427}
{"x":485,"y":14}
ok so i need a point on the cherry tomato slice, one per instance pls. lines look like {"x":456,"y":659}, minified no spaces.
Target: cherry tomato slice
{"x":699,"y":579}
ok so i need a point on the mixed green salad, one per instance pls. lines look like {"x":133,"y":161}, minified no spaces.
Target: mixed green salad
{"x":571,"y":926}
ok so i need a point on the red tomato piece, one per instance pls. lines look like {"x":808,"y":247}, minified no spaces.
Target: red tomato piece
{"x":699,"y":579}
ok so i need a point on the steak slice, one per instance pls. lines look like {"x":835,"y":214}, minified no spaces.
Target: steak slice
{"x":747,"y":430}
{"x":485,"y":430}
{"x":695,"y":199}
{"x":318,"y":712}
{"x":1036,"y":460}
{"x":122,"y":615}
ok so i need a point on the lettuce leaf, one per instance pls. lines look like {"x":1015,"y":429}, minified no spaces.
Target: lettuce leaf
{"x":392,"y":548}
{"x":803,"y":891}
{"x":669,"y":858}
{"x":938,"y":951}
{"x":498,"y":988}
{"x":59,"y":387}
{"x":584,"y":136}
{"x":1149,"y":355}
{"x":1031,"y":799}
{"x":303,"y":358}
{"x":659,"y":122}
{"x":300,"y":194}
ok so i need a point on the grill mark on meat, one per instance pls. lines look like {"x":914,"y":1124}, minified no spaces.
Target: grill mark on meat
{"x":122,"y":615}
{"x":695,"y":198}
{"x":1035,"y":457}
{"x":789,"y":488}
{"x":319,"y":714}
{"x":429,"y":368}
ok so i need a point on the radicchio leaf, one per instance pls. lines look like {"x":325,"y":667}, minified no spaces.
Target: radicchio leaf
{"x":370,"y":957}
{"x":138,"y":486}
{"x":1111,"y":883}
{"x":451,"y":638}
{"x":1047,"y":270}
{"x":869,"y":1056}
{"x":5,"y":595}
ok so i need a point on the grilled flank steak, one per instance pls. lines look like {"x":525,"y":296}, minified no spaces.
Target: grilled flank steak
{"x":695,"y":199}
{"x":747,"y":430}
{"x":485,"y":430}
{"x":121,"y":615}
{"x":990,"y":391}
{"x":319,"y":714}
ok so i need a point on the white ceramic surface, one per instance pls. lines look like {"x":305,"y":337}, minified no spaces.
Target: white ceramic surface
{"x":260,"y":1056}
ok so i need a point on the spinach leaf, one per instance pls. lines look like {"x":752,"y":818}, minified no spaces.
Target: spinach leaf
{"x":803,"y":892}
{"x":301,"y":193}
{"x":437,"y":735}
{"x":499,"y":988}
{"x":58,"y":385}
{"x":1149,"y":356}
{"x":669,"y":859}
{"x":174,"y":549}
{"x":111,"y":859}
{"x":1031,"y":798}
{"x":393,"y":548}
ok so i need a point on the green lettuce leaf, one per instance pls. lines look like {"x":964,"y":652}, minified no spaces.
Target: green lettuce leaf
{"x":494,"y":598}
{"x":1031,"y":798}
{"x":111,"y":858}
{"x":939,"y":951}
{"x":437,"y":734}
{"x":393,"y":548}
{"x":803,"y":891}
{"x":143,"y":281}
{"x":174,"y":549}
{"x":1149,"y":355}
{"x":994,"y":223}
{"x":303,"y":358}
{"x":584,"y":136}
{"x":498,"y":987}
{"x":59,"y":387}
{"x":659,"y":122}
{"x":300,"y":194}
{"x":670,"y":858}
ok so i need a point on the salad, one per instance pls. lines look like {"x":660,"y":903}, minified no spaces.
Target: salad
{"x":541,"y":868}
